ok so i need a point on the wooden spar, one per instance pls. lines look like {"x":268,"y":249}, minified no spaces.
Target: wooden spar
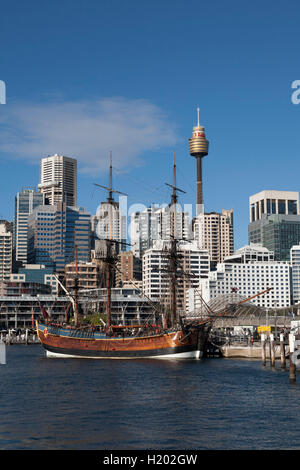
{"x":255,"y":295}
{"x":174,"y":193}
{"x":173,"y":269}
{"x":110,"y":196}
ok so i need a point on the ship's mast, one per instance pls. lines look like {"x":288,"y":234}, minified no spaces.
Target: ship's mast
{"x":110,"y":193}
{"x":108,"y":266}
{"x":76,"y":286}
{"x":109,"y":256}
{"x":173,"y":254}
{"x":109,"y":260}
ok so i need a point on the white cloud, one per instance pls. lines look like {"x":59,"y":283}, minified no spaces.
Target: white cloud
{"x":86,"y":130}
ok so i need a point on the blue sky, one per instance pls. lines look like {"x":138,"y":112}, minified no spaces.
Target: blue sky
{"x":88,"y":77}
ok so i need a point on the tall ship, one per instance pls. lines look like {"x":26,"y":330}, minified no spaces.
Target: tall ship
{"x":170,"y":336}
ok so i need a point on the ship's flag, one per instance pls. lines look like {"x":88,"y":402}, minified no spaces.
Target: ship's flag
{"x":44,"y":311}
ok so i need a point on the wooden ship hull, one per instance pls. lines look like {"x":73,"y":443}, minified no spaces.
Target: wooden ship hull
{"x":66,"y":342}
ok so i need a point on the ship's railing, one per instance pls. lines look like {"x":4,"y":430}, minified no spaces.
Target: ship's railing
{"x":81,"y":334}
{"x":55,"y":330}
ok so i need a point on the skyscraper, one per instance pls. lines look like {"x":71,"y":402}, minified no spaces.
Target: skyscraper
{"x":59,"y":180}
{"x":275,"y":221}
{"x":25,"y":203}
{"x":109,"y":223}
{"x":214,"y":232}
{"x":193,"y":262}
{"x":156,"y":223}
{"x":53,"y":233}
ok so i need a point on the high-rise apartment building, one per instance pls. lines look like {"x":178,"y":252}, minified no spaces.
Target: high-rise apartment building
{"x":154,"y":224}
{"x":5,"y":251}
{"x":129,"y":268}
{"x":275,"y":221}
{"x":59,"y":180}
{"x":109,"y":224}
{"x":214,"y":232}
{"x":25,"y":202}
{"x":193,"y":265}
{"x":53,"y":233}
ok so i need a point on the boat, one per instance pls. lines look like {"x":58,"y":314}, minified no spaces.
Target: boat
{"x":60,"y":341}
{"x":170,"y":337}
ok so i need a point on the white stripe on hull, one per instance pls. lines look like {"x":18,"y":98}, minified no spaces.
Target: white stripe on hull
{"x":185,"y":355}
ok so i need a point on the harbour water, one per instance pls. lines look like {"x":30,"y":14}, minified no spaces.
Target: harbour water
{"x":210,"y":404}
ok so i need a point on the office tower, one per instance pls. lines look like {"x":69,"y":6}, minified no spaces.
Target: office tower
{"x":156,"y":223}
{"x":5,"y":250}
{"x":275,"y":221}
{"x":248,"y":277}
{"x":25,"y":203}
{"x":193,"y":265}
{"x":198,"y":147}
{"x":59,"y":180}
{"x":53,"y":233}
{"x":214,"y":232}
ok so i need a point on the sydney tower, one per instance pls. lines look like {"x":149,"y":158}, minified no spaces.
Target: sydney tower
{"x":198,"y":146}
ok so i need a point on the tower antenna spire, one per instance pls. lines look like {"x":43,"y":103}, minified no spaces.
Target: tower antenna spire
{"x":198,"y":111}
